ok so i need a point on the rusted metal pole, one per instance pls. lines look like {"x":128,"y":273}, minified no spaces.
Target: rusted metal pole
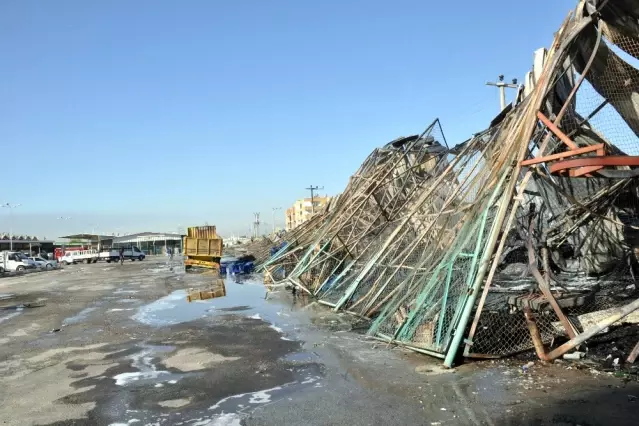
{"x":545,"y":287}
{"x":633,"y":355}
{"x":557,"y":131}
{"x":535,"y":334}
{"x":587,"y":334}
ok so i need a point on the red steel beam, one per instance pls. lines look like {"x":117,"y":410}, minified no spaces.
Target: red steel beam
{"x":557,"y":131}
{"x":605,"y":161}
{"x":561,"y":155}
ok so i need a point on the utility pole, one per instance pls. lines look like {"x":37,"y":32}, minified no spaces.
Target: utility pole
{"x":313,"y":189}
{"x":275,"y":208}
{"x":501,"y":85}
{"x":256,"y":225}
{"x":11,"y":207}
{"x":93,"y":227}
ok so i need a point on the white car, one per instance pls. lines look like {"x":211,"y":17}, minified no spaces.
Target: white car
{"x":43,"y":263}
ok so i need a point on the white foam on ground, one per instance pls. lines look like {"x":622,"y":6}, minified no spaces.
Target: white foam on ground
{"x":119,"y":309}
{"x":80,"y":316}
{"x":310,"y":379}
{"x":279,"y":330}
{"x":262,"y":397}
{"x":223,"y":400}
{"x":127,"y":378}
{"x":259,"y":397}
{"x":148,"y":371}
{"x":256,"y":316}
{"x":8,"y":317}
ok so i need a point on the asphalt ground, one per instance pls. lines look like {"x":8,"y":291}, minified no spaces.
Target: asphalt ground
{"x":120,"y":345}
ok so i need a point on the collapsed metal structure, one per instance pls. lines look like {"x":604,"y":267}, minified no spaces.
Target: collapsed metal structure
{"x":448,"y":248}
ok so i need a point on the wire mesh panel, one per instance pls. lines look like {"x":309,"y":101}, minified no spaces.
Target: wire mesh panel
{"x":422,"y":239}
{"x":576,"y":225}
{"x":377,"y":194}
{"x":282,"y":262}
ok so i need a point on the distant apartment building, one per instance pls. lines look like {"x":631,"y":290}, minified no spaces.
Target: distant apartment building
{"x":302,"y":210}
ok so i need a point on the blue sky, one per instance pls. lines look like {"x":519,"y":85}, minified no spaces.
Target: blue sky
{"x":149,"y":115}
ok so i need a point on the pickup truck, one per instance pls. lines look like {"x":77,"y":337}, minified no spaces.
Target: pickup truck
{"x":113,"y":255}
{"x":15,"y":261}
{"x":79,"y":256}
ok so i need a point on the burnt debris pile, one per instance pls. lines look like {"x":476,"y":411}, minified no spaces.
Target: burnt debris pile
{"x":523,"y":235}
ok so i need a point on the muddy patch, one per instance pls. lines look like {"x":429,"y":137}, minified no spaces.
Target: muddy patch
{"x":46,"y":386}
{"x":175,"y":403}
{"x":192,"y":359}
{"x":22,"y":332}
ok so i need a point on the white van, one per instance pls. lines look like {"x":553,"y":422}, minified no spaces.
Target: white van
{"x":15,"y":261}
{"x":113,"y":255}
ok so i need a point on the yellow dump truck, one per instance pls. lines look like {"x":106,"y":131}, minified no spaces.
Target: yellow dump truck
{"x":202,"y":247}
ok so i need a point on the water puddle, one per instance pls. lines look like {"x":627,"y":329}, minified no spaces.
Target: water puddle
{"x":79,"y":317}
{"x":236,"y":309}
{"x":246,"y":299}
{"x":302,"y":357}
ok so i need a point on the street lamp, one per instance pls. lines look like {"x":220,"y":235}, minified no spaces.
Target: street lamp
{"x":11,"y":207}
{"x":275,"y":208}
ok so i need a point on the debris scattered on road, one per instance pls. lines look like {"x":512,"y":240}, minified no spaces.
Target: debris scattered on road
{"x":574,"y":355}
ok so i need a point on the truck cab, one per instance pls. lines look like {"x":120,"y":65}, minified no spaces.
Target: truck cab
{"x":15,"y":261}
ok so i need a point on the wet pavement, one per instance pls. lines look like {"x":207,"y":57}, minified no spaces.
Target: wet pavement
{"x":120,"y":345}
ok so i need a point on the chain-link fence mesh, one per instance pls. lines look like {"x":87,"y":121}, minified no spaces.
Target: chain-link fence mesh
{"x":448,"y":234}
{"x":377,"y":194}
{"x":587,"y":225}
{"x":415,"y":235}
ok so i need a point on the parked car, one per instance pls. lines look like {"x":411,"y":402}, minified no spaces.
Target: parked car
{"x":44,"y":263}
